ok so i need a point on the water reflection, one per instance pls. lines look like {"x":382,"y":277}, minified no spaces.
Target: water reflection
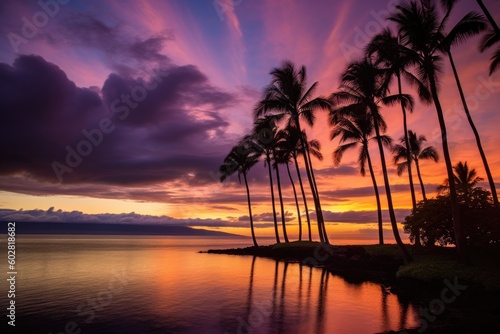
{"x":312,"y":300}
{"x":171,"y":288}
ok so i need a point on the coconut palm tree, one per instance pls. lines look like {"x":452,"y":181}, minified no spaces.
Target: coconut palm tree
{"x":356,"y":132}
{"x":417,"y":153}
{"x":421,"y":30}
{"x":287,"y":147}
{"x":491,"y":38}
{"x":264,"y":137}
{"x":396,"y":58}
{"x":470,"y":25}
{"x":276,"y":159}
{"x":489,"y":17}
{"x":362,"y":92}
{"x":288,"y":97}
{"x":465,"y":179}
{"x":241,"y":159}
{"x":294,"y":143}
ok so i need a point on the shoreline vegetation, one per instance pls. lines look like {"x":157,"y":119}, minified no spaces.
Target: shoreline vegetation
{"x":474,"y":308}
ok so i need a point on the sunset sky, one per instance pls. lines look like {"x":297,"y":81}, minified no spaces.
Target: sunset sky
{"x":192,"y":71}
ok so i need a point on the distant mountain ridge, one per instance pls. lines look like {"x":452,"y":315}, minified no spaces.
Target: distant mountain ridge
{"x":109,"y":229}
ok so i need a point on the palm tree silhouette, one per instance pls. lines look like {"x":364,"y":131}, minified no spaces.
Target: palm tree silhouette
{"x":276,"y":160}
{"x":285,"y":157}
{"x":422,"y":31}
{"x":465,"y":179}
{"x":417,"y":153}
{"x":362,"y":91}
{"x":396,"y":58}
{"x":264,"y":137}
{"x":288,"y":97}
{"x":354,"y":133}
{"x":470,"y":25}
{"x":293,"y":142}
{"x":241,"y":159}
{"x":490,"y":38}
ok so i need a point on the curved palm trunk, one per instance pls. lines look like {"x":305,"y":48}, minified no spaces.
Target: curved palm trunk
{"x":250,"y":211}
{"x":406,"y":256}
{"x":317,"y":206}
{"x":377,"y":197}
{"x":325,"y":235}
{"x":296,"y":200}
{"x":416,"y":231}
{"x":303,"y":197}
{"x":281,"y":203}
{"x":420,"y":179}
{"x":455,"y":208}
{"x":272,"y":200}
{"x":476,"y":133}
{"x":488,"y":15}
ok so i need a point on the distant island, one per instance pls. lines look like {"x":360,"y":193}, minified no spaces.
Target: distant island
{"x":110,"y":229}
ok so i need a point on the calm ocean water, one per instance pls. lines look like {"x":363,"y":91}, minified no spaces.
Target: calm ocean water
{"x":70,"y":284}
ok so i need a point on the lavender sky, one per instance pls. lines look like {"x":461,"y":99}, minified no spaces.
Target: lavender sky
{"x":159,"y":91}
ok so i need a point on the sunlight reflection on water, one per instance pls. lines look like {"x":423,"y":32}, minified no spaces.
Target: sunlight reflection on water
{"x":163,"y":285}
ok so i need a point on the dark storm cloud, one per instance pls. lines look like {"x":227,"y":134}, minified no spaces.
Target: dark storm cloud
{"x":171,"y":130}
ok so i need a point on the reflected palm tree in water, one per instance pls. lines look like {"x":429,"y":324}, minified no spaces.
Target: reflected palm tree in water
{"x":298,"y":301}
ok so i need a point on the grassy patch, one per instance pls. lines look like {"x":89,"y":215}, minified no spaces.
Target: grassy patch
{"x":435,"y":265}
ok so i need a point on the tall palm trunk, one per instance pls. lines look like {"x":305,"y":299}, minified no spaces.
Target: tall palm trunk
{"x":323,"y":226}
{"x":317,"y":205}
{"x":250,"y":211}
{"x":377,"y":197}
{"x":406,"y":256}
{"x":416,"y":231}
{"x":303,"y":197}
{"x":420,"y":179}
{"x":476,"y":133}
{"x":285,"y":235}
{"x":455,"y":208}
{"x":488,"y":15}
{"x":272,"y":199}
{"x":296,"y":200}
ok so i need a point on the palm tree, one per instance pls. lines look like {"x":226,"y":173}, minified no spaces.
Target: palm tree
{"x":362,"y":91}
{"x":353,"y":133}
{"x":421,"y":31}
{"x":288,"y":97}
{"x":287,"y":147}
{"x":275,"y":155}
{"x":417,"y":153}
{"x":264,"y":137}
{"x":294,"y":142}
{"x":241,"y":158}
{"x":396,"y":59}
{"x":491,"y":38}
{"x":471,"y":24}
{"x":465,"y":180}
{"x":488,"y":15}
